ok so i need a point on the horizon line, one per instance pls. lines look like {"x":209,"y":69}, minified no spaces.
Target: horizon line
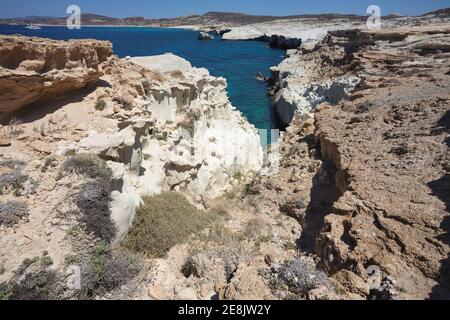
{"x":229,"y":12}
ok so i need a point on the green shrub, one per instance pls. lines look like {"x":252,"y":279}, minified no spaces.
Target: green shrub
{"x":164,"y":221}
{"x":36,"y":285}
{"x":5,"y":291}
{"x":32,"y":281}
{"x":46,"y":261}
{"x":26,"y":263}
{"x":2,"y":270}
{"x":70,"y":153}
{"x":100,"y":105}
{"x":222,"y":235}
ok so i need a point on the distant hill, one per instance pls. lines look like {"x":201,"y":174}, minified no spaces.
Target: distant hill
{"x":441,"y":12}
{"x":209,"y":18}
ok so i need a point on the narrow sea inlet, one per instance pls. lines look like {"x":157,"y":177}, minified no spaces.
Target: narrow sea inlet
{"x":237,"y":61}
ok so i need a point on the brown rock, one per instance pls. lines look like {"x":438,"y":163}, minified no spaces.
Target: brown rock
{"x":32,"y":69}
{"x":389,"y":165}
{"x":353,"y":283}
{"x":41,"y":147}
{"x":322,"y":293}
{"x":246,"y":285}
{"x":5,"y":142}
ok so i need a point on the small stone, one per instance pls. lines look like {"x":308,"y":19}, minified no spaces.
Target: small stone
{"x":156,"y":293}
{"x":5,"y":142}
{"x":41,"y":147}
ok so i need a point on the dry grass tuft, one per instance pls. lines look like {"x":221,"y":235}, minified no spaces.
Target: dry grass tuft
{"x":164,"y":221}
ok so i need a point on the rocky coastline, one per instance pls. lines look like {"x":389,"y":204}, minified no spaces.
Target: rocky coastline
{"x":346,"y":101}
{"x":357,"y":209}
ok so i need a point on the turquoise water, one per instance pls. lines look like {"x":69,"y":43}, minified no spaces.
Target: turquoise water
{"x":237,"y":61}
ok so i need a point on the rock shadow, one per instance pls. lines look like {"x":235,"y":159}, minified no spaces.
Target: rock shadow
{"x":441,"y":189}
{"x":444,"y":124}
{"x":38,"y":110}
{"x":323,"y":196}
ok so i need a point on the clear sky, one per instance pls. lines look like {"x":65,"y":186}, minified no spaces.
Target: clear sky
{"x":174,"y":8}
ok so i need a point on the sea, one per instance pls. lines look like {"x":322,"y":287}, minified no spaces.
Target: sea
{"x":237,"y":61}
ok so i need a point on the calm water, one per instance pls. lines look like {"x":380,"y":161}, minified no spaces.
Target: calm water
{"x":237,"y":61}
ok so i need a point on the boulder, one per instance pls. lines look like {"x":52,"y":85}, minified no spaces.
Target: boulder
{"x":205,"y":36}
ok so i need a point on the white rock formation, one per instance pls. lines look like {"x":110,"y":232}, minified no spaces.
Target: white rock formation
{"x":163,"y":63}
{"x":205,"y":36}
{"x":299,"y":94}
{"x":188,"y":138}
{"x":305,"y":29}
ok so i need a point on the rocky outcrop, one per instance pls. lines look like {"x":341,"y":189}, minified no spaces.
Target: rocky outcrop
{"x":221,"y":32}
{"x":159,"y":125}
{"x":205,"y":36}
{"x":181,"y":134}
{"x":388,"y":148}
{"x":373,"y":162}
{"x":34,"y":69}
{"x":297,"y":89}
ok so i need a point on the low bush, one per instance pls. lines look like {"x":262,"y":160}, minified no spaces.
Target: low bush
{"x":103,"y":270}
{"x":12,"y":212}
{"x":13,"y":181}
{"x":93,"y":201}
{"x":37,"y":285}
{"x":100,"y":105}
{"x":298,"y":276}
{"x":5,"y":291}
{"x":46,"y":261}
{"x":256,"y":227}
{"x":222,"y":235}
{"x":88,"y":165}
{"x":32,"y":281}
{"x":12,"y":164}
{"x":164,"y":221}
{"x":93,"y":196}
{"x":49,"y":162}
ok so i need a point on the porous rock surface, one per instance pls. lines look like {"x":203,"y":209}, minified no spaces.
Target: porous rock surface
{"x":369,"y":171}
{"x":33,"y":69}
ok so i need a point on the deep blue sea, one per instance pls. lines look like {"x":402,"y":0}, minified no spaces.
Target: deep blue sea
{"x":237,"y":61}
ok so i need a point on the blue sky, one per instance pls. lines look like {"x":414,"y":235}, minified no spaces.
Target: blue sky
{"x":173,"y":8}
